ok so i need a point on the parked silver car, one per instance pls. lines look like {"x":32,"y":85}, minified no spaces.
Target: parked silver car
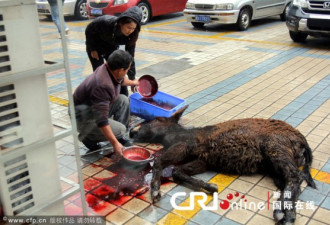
{"x":240,"y":12}
{"x":307,"y":17}
{"x":75,"y":8}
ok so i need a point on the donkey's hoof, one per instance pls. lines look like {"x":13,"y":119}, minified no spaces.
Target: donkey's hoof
{"x":155,"y":196}
{"x":288,"y":223}
{"x":212,"y":188}
{"x":290,"y":217}
{"x":283,"y":222}
{"x":278,"y":216}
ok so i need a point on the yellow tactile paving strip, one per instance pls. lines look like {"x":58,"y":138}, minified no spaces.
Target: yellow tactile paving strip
{"x":59,"y":101}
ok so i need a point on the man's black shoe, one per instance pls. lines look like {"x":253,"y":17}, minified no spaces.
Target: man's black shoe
{"x":92,"y":146}
{"x":125,"y":142}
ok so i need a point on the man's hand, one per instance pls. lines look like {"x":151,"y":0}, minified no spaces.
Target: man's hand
{"x":107,"y":132}
{"x":128,"y":82}
{"x":95,"y":55}
{"x":135,"y":83}
{"x":118,"y":148}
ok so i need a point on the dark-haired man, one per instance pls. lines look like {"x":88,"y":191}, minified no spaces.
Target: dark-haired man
{"x":102,"y":113}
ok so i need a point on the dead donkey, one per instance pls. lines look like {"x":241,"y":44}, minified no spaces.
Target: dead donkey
{"x":244,"y":146}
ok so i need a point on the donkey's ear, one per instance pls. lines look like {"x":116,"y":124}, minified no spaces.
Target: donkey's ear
{"x":177,"y":115}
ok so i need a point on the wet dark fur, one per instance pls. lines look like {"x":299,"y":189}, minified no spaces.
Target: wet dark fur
{"x":244,"y":146}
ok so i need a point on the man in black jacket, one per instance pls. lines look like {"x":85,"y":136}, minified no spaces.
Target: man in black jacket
{"x":105,"y":33}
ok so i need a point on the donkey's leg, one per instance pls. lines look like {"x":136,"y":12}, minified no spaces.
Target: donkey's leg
{"x":288,"y":199}
{"x":174,"y":154}
{"x":285,"y":167}
{"x":183,"y":173}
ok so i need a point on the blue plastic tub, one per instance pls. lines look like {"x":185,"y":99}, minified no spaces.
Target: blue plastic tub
{"x":160,"y":105}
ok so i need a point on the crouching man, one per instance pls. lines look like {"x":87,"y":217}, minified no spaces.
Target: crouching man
{"x":103,"y":113}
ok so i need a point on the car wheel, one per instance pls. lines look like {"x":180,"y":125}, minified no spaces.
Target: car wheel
{"x":197,"y":25}
{"x":146,"y":13}
{"x":81,"y":10}
{"x":285,"y":13}
{"x":298,"y":36}
{"x":244,"y":19}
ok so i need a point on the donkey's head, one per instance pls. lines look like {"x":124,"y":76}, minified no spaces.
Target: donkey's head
{"x":155,"y":130}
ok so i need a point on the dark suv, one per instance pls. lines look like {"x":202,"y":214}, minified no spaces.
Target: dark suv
{"x":308,"y":17}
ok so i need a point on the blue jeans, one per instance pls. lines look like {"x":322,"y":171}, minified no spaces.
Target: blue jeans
{"x":56,"y":18}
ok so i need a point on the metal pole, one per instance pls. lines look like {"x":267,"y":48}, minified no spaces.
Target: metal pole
{"x":71,"y":106}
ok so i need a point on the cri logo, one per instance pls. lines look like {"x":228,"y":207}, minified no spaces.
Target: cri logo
{"x":326,"y":5}
{"x":224,"y":204}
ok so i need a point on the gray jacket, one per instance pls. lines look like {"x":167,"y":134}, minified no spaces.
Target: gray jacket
{"x":93,"y":96}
